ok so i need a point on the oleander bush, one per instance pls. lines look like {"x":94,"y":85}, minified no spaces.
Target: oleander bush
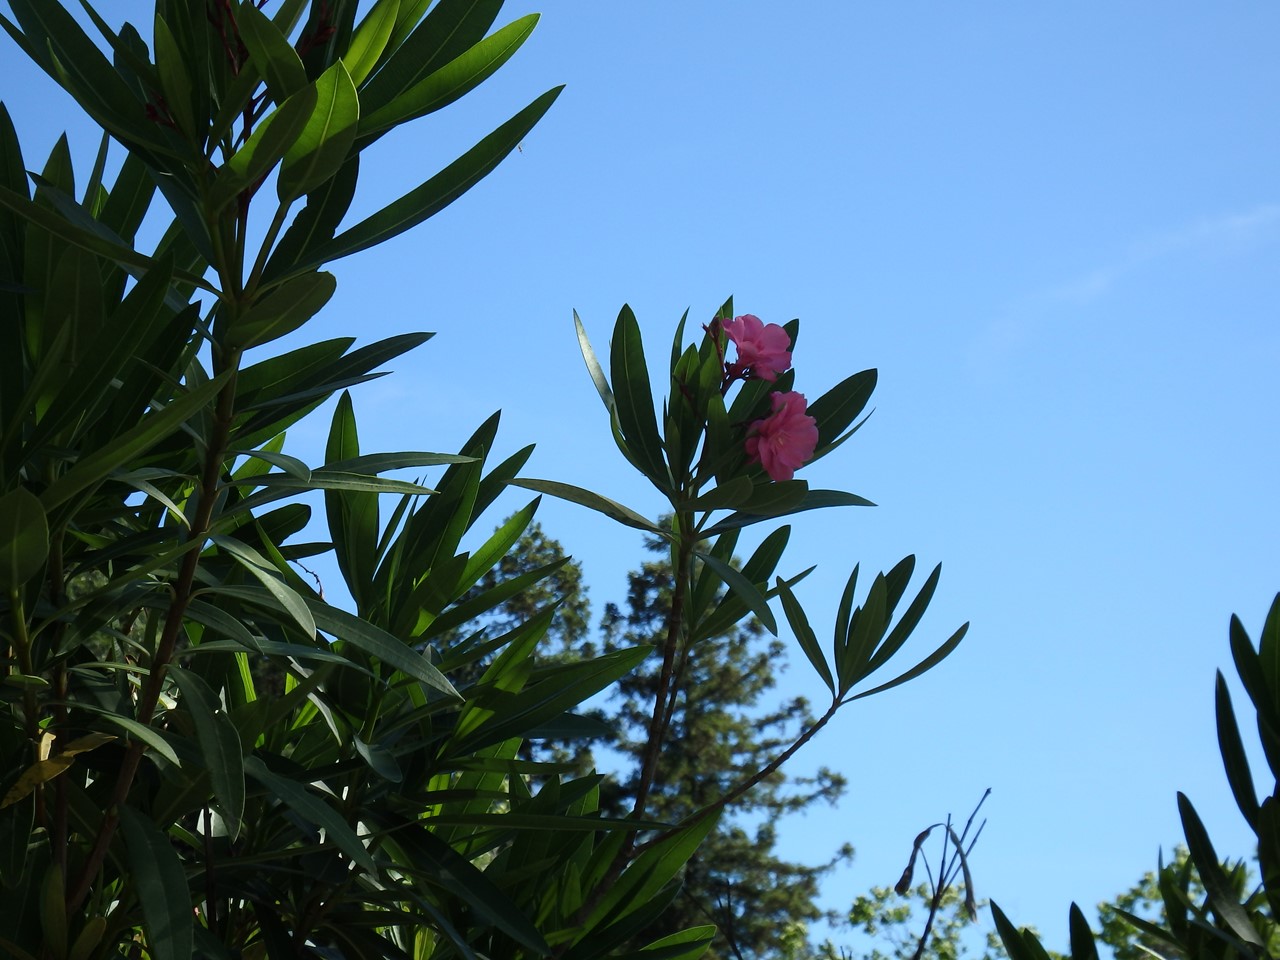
{"x":200,"y":754}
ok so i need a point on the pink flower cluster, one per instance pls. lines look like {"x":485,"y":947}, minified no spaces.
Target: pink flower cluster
{"x":785,"y":440}
{"x":762,"y":348}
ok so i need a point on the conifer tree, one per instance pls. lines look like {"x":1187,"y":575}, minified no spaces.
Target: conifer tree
{"x":722,"y":729}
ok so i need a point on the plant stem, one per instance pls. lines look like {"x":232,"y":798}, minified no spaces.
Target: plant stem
{"x":182,"y":592}
{"x":763,"y":774}
{"x":661,"y":719}
{"x":22,"y":643}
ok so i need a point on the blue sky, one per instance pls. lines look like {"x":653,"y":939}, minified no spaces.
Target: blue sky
{"x":1054,"y":230}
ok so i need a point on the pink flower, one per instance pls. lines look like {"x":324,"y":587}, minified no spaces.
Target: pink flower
{"x":783,"y":441}
{"x":762,"y":348}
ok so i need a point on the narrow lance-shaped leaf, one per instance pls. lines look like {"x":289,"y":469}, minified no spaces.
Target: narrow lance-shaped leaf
{"x":594,"y":501}
{"x":96,"y":239}
{"x":1234,"y":758}
{"x":925,"y":665}
{"x":438,"y":192}
{"x":379,"y":643}
{"x":909,"y":620}
{"x":24,"y":538}
{"x":265,"y":573}
{"x":866,"y":630}
{"x":452,"y":81}
{"x":370,"y":39}
{"x":839,"y":407}
{"x":633,"y":398}
{"x":322,"y":146}
{"x":593,"y":364}
{"x":1083,"y":946}
{"x":283,"y":310}
{"x":1222,"y":896}
{"x":153,"y":428}
{"x":805,"y":636}
{"x":312,"y":809}
{"x":268,"y":143}
{"x":161,"y":885}
{"x":418,"y":49}
{"x":813,"y":500}
{"x":271,"y":53}
{"x":743,"y":588}
{"x":219,"y":745}
{"x":174,"y":79}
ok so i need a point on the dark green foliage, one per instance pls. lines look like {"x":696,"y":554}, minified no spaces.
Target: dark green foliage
{"x":201,"y":755}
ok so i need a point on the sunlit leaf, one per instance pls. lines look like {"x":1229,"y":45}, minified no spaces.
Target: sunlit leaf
{"x":322,"y":146}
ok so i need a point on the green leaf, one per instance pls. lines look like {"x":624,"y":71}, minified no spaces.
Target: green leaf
{"x":558,"y":691}
{"x":743,"y":588}
{"x":24,"y":538}
{"x":352,"y":516}
{"x":374,"y":463}
{"x":137,"y":731}
{"x":650,"y":872}
{"x":437,"y":193}
{"x":907,"y":622}
{"x":1082,"y":943}
{"x":270,"y":53}
{"x":129,"y":199}
{"x":805,"y":636}
{"x":283,"y":310}
{"x":370,"y":39}
{"x":1234,"y":758}
{"x":633,"y":398}
{"x":1014,"y":943}
{"x":161,"y":886}
{"x":174,"y":79}
{"x":378,"y":643}
{"x":132,"y":329}
{"x":727,"y":496}
{"x":152,"y":429}
{"x":437,"y":863}
{"x":290,"y":465}
{"x":322,"y":479}
{"x":220,"y":747}
{"x":274,"y":135}
{"x":318,"y":221}
{"x":925,"y":665}
{"x":290,"y":601}
{"x":870,"y":621}
{"x":452,"y":81}
{"x":311,"y":809}
{"x":55,"y":41}
{"x":1221,"y":894}
{"x":594,"y":501}
{"x":419,"y":49}
{"x":497,"y":546}
{"x":688,"y":944}
{"x":322,"y":147}
{"x":96,"y":239}
{"x":593,"y":365}
{"x":813,"y":500}
{"x":839,"y":407}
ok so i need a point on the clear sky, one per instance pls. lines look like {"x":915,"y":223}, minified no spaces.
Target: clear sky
{"x":1054,"y":229}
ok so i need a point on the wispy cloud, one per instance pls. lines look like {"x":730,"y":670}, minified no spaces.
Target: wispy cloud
{"x":1223,"y":234}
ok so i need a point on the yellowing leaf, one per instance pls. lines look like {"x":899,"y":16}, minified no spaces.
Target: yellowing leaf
{"x":49,"y":767}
